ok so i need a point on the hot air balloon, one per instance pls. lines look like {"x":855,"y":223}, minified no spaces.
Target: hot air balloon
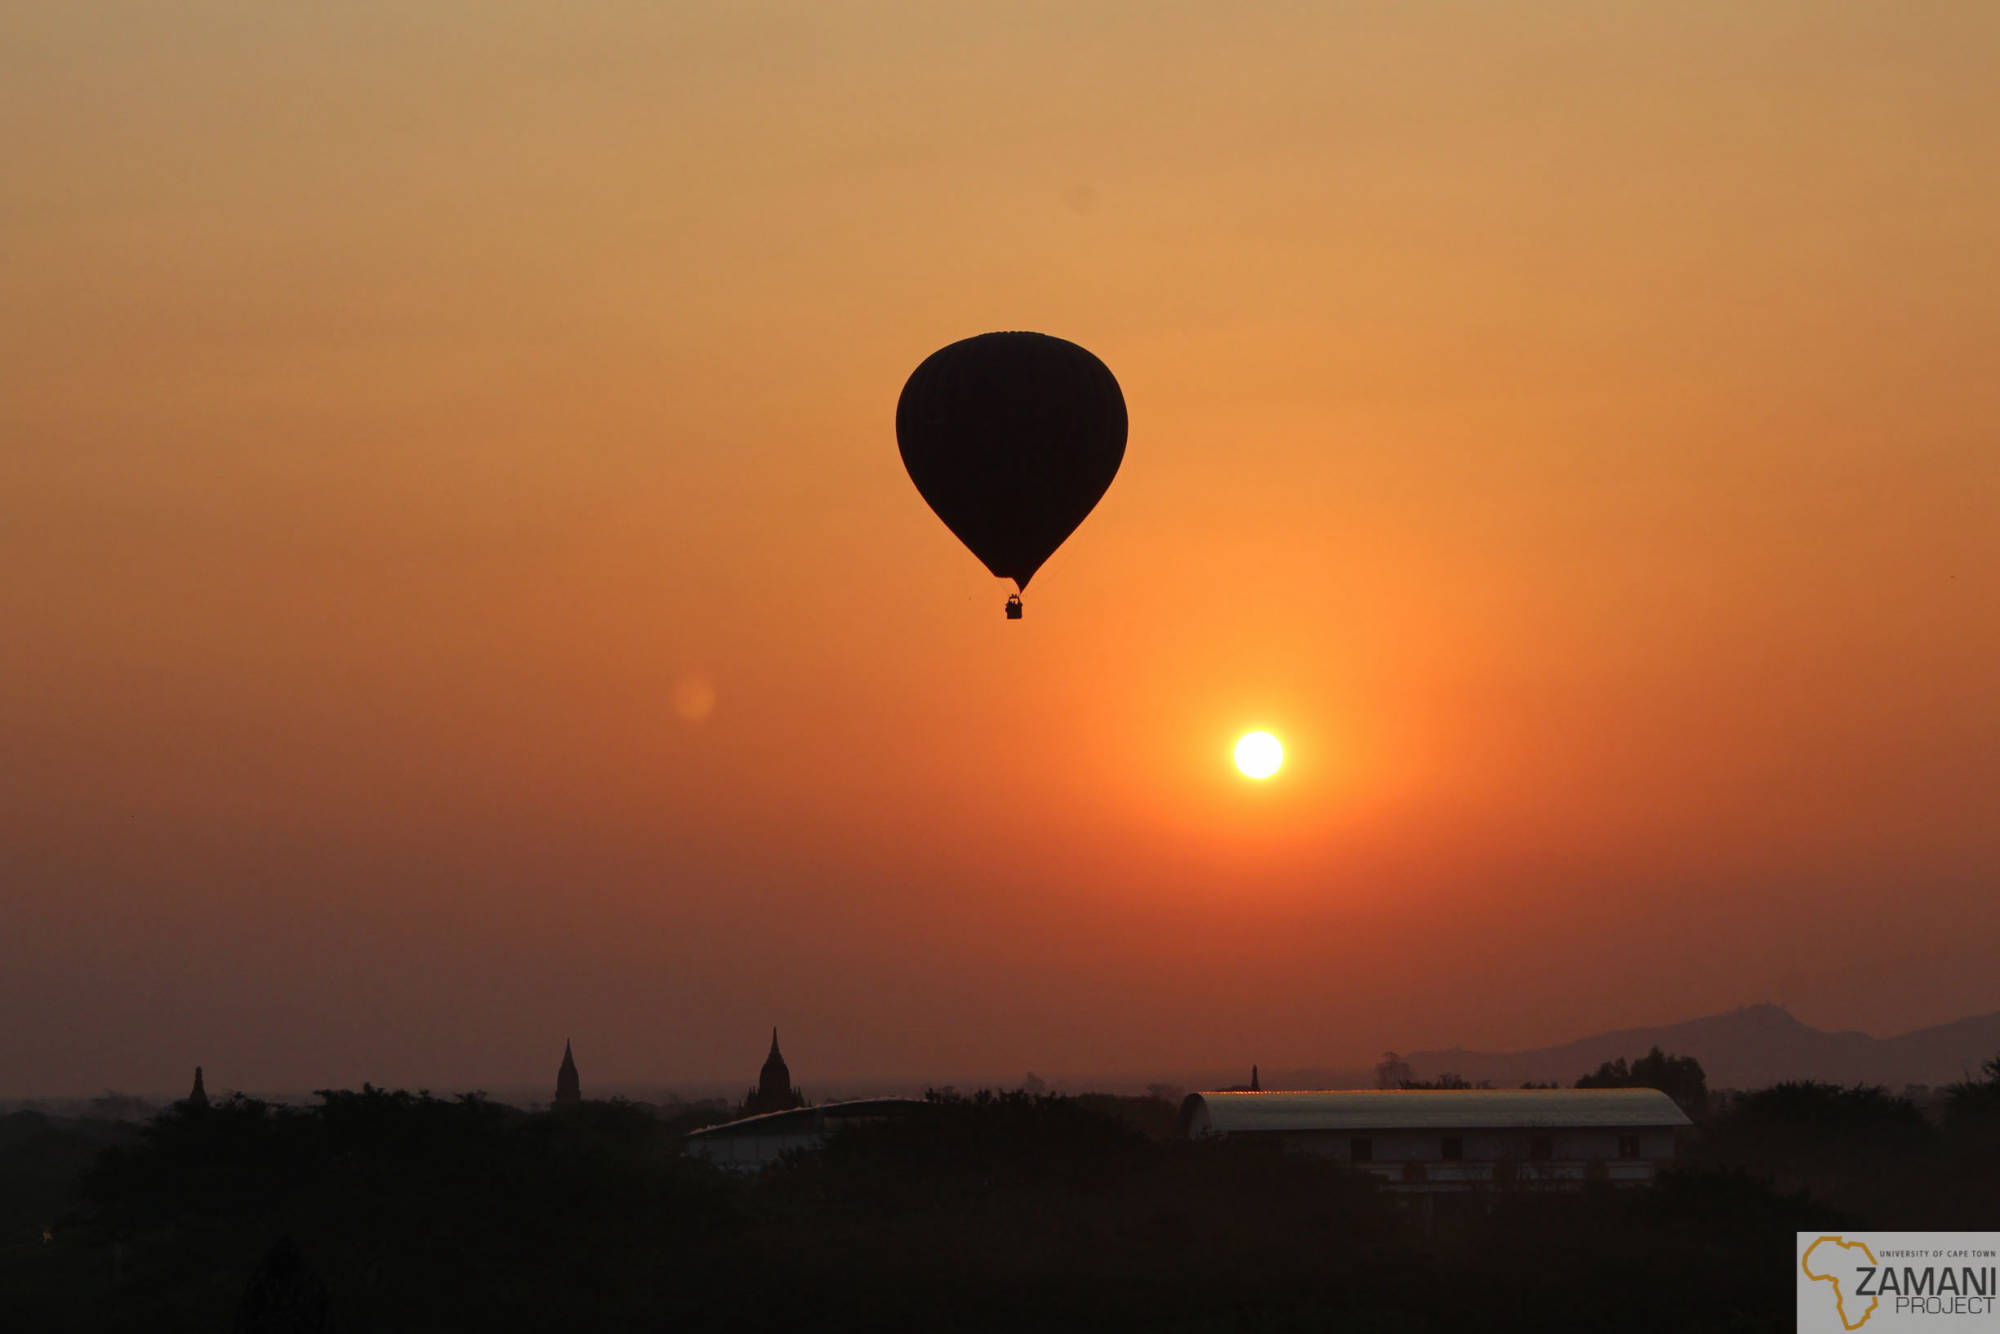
{"x":1012,"y":438}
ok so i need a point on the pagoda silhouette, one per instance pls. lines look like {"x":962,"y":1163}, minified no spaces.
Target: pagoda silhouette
{"x":774,"y":1091}
{"x":569,"y":1091}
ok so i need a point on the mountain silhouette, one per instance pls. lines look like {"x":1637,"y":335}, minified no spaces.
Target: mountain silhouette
{"x":1749,"y":1047}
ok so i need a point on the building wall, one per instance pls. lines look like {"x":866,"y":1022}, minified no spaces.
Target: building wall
{"x":751,"y":1144}
{"x":1568,"y":1145}
{"x":748,"y":1152}
{"x":1415,"y":1158}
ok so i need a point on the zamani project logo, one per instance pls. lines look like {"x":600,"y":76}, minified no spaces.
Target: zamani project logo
{"x":1884,"y":1281}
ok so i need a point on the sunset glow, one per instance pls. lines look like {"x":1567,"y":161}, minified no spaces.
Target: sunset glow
{"x":462,"y":589}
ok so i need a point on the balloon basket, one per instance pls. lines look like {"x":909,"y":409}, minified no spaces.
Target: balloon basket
{"x":1014,"y":607}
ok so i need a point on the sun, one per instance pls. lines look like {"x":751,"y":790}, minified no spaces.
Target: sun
{"x":1258,"y":754}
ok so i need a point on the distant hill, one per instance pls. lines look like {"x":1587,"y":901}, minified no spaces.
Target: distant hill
{"x":1749,"y":1047}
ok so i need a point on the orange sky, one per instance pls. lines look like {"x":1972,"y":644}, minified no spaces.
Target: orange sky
{"x":1568,"y":426}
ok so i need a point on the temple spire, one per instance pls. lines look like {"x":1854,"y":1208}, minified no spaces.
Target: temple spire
{"x":774,"y":1091}
{"x":197,"y":1096}
{"x":1253,"y":1080}
{"x":569,"y":1090}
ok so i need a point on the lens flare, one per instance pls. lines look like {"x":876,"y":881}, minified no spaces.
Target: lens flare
{"x":694,"y":698}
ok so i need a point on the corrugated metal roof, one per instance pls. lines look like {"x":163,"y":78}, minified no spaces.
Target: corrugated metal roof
{"x":1429,"y":1109}
{"x":806,"y":1120}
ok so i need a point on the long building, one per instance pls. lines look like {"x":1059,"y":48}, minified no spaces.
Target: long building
{"x":1459,"y":1139}
{"x":752,"y":1142}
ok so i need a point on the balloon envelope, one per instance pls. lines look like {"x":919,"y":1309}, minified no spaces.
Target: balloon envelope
{"x":1012,"y":438}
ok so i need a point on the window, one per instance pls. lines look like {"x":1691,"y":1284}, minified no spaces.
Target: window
{"x":1628,"y":1146}
{"x":1541,"y":1148}
{"x":1361,"y":1150}
{"x":1454,"y":1149}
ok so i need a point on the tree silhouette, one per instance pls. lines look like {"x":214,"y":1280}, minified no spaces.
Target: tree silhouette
{"x":1975,"y":1102}
{"x":1679,"y":1077}
{"x":1447,"y":1080}
{"x":1392,"y":1071}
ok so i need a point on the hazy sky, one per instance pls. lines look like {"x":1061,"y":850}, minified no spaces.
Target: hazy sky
{"x":459,"y":590}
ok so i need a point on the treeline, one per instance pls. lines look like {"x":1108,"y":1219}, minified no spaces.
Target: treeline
{"x":1679,"y":1077}
{"x":394,"y":1211}
{"x":1874,"y":1155}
